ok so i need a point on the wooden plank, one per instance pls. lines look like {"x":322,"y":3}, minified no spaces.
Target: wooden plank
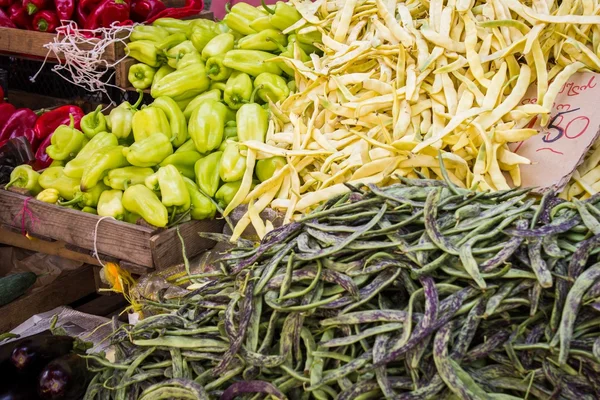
{"x":166,"y":246}
{"x":67,"y":288}
{"x":103,"y":305}
{"x":55,"y":248}
{"x":114,"y":238}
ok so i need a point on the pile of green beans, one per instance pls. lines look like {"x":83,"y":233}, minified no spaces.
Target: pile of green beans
{"x":418,"y":290}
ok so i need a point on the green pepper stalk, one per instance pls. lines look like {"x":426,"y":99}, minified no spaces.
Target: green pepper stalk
{"x":150,"y":151}
{"x":207,"y":124}
{"x":100,"y":163}
{"x":271,"y":87}
{"x":66,"y":141}
{"x":75,"y":167}
{"x":233,"y":163}
{"x":216,"y":70}
{"x":120,"y":118}
{"x":238,"y":90}
{"x":93,"y":123}
{"x":138,"y":199}
{"x":175,"y":117}
{"x":110,"y":204}
{"x":201,"y":207}
{"x":121,"y":178}
{"x":141,"y":76}
{"x":207,"y":173}
{"x":148,"y":121}
{"x":283,"y":15}
{"x":25,"y":177}
{"x":252,"y":62}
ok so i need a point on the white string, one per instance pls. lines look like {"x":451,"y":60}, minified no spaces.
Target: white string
{"x":96,"y":239}
{"x":85,"y":68}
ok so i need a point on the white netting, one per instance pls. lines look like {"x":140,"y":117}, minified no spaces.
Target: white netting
{"x":80,"y":55}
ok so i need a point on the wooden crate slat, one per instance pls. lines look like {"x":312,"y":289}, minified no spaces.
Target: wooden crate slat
{"x":114,"y":238}
{"x":166,"y":247}
{"x":67,"y":288}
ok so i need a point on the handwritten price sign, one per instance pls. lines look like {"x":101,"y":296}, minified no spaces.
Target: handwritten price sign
{"x":573,"y":127}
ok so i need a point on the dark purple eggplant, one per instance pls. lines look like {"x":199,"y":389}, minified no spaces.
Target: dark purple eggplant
{"x":65,"y":378}
{"x":30,"y":355}
{"x":15,"y":386}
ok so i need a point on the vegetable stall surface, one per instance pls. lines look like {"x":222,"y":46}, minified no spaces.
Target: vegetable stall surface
{"x":400,"y":80}
{"x":418,"y":290}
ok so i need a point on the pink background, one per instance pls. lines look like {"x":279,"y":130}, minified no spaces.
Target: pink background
{"x":218,"y":6}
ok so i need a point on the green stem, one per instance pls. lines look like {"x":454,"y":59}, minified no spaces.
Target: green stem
{"x":267,"y":9}
{"x":31,"y":9}
{"x":213,"y":70}
{"x":281,"y":48}
{"x":139,"y":101}
{"x":9,"y":184}
{"x":42,"y":25}
{"x":75,"y":200}
{"x":72,"y":121}
{"x":256,"y":89}
{"x":228,"y":7}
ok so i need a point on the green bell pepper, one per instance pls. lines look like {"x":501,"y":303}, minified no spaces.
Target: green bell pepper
{"x":240,"y":16}
{"x":49,"y":196}
{"x":216,"y":70}
{"x":309,"y":35}
{"x":190,"y":59}
{"x":267,"y":40}
{"x":121,"y":178}
{"x":217,"y":85}
{"x":145,"y":32}
{"x":238,"y":90}
{"x":202,"y":35}
{"x":233,"y":164}
{"x":230,"y":132}
{"x":145,"y":52}
{"x":171,"y":41}
{"x":87,"y":199}
{"x":176,"y":53}
{"x":262,"y":23}
{"x":110,"y":204}
{"x":226,"y":193}
{"x":207,"y":173}
{"x":148,"y":121}
{"x":207,"y":124}
{"x":252,"y":62}
{"x":66,"y":142}
{"x":138,"y":199}
{"x":120,"y":118}
{"x":75,"y":167}
{"x":161,"y":73}
{"x":89,"y":210}
{"x":182,"y":83}
{"x":93,"y":123}
{"x":266,"y":168}
{"x":218,"y":46}
{"x":173,"y":25}
{"x":252,"y":122}
{"x":177,"y":121}
{"x":201,"y":206}
{"x":184,"y":162}
{"x":25,"y":177}
{"x":187,"y":146}
{"x":214,"y":94}
{"x":173,"y":191}
{"x":54,"y":178}
{"x":132,"y":218}
{"x":100,"y":163}
{"x":150,"y":151}
{"x":141,"y":76}
{"x":283,"y":15}
{"x":271,"y":87}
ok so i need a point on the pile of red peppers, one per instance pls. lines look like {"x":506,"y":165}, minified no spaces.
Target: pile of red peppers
{"x":37,"y":128}
{"x":46,"y":15}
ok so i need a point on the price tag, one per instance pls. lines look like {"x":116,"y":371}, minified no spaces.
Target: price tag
{"x":573,"y":127}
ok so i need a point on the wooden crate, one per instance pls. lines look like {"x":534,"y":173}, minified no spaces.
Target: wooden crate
{"x":70,"y":286}
{"x":136,"y":248}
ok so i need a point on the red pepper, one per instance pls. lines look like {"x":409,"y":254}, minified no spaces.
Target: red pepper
{"x":48,"y":122}
{"x":192,"y":7}
{"x":1,"y":96}
{"x":108,"y":12}
{"x":64,"y":9}
{"x":45,"y":21}
{"x":34,"y":6}
{"x":6,"y":111}
{"x":21,"y":119}
{"x":5,"y":20}
{"x":43,"y":160}
{"x":141,"y":10}
{"x":18,"y":15}
{"x":6,"y":3}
